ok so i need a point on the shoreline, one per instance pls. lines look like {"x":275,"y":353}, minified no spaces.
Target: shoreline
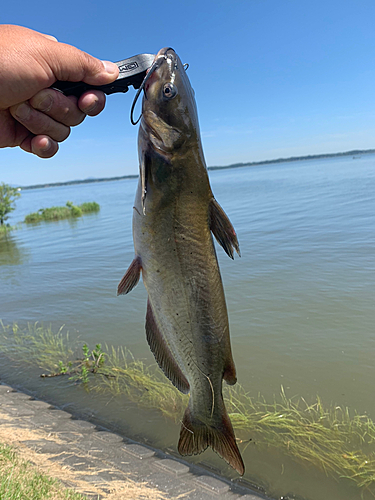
{"x":355,"y":152}
{"x":95,"y":461}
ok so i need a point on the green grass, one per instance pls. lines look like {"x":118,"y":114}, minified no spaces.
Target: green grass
{"x":20,"y":480}
{"x":339,"y":442}
{"x":59,"y":213}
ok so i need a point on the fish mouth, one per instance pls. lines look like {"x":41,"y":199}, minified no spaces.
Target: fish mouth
{"x":165,"y":54}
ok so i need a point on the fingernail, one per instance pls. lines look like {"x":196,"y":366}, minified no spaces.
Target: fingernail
{"x":91,"y":108}
{"x":22,"y":111}
{"x":110,"y":67}
{"x":46,"y":146}
{"x":44,"y":104}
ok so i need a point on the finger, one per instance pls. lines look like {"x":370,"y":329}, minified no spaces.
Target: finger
{"x":92,"y":102}
{"x":71,"y":64}
{"x":40,"y":145}
{"x":38,"y":123}
{"x":12,"y":133}
{"x":50,"y":37}
{"x":56,"y":105}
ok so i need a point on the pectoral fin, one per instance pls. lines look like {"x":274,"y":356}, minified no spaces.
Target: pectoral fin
{"x":163,"y":354}
{"x":131,"y":277}
{"x":222,"y":229}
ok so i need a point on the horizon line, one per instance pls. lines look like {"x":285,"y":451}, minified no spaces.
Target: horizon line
{"x":214,"y":167}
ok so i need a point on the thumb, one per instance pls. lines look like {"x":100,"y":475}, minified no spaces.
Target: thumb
{"x":71,"y":64}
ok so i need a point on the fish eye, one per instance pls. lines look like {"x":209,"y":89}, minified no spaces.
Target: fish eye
{"x":170,"y":90}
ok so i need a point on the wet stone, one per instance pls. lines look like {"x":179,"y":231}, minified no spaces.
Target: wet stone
{"x":60,"y":414}
{"x":64,"y":425}
{"x":17,"y":396}
{"x":113,"y":476}
{"x":43,"y":419}
{"x":169,"y":483}
{"x":69,"y":436}
{"x":21,"y":411}
{"x":198,"y":494}
{"x":93,"y":446}
{"x":138,"y":451}
{"x":22,"y":423}
{"x":129,"y":464}
{"x":173,"y":466}
{"x":82,"y":426}
{"x":120,"y":460}
{"x":212,"y":484}
{"x":99,"y":453}
{"x":5,"y":389}
{"x":40,"y":405}
{"x":250,"y":497}
{"x":109,"y":437}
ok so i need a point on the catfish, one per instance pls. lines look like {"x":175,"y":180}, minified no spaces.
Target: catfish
{"x":175,"y":214}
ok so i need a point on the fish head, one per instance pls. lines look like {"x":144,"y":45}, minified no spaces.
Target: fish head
{"x":169,"y":112}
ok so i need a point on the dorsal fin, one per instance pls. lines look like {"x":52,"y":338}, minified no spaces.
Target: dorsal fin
{"x":163,"y":354}
{"x":222,"y":229}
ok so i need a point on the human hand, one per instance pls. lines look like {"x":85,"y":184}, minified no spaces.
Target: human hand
{"x":33,"y":116}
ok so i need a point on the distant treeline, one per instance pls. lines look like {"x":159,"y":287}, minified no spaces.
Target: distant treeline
{"x":82,"y":181}
{"x":355,"y":152}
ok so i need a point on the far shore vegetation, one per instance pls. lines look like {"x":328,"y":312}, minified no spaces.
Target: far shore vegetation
{"x":8,"y":196}
{"x":58,"y":213}
{"x":356,"y":153}
{"x":331,"y":438}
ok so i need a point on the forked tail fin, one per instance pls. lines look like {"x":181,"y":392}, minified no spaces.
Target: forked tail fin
{"x":196,"y":436}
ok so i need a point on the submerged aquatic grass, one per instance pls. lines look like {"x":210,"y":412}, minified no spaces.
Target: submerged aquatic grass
{"x":333,"y":439}
{"x":59,"y":213}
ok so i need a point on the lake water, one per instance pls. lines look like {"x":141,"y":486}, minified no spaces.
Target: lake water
{"x":300,"y":300}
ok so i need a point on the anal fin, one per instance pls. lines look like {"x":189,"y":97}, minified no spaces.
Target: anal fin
{"x":229,"y":375}
{"x":163,"y":354}
{"x":130,"y":278}
{"x":222,"y":229}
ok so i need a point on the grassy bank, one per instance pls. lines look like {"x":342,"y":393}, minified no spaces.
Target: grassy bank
{"x":331,"y":438}
{"x":19,"y":479}
{"x":59,"y":213}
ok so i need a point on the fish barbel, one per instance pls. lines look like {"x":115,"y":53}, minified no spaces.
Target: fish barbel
{"x":174,"y":215}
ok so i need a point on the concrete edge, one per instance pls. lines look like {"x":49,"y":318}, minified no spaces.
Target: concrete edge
{"x":106,"y":450}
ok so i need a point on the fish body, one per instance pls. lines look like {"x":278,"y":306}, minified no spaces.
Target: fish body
{"x":174,"y":214}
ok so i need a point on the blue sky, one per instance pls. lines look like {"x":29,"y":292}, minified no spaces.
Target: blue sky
{"x":272,"y":78}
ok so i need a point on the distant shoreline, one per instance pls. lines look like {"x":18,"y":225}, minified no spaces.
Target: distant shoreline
{"x":354,"y":152}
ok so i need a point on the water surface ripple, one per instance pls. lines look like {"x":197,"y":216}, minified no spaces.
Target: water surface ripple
{"x":300,"y":300}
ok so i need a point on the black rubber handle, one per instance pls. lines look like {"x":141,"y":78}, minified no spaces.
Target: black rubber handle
{"x":132,"y":72}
